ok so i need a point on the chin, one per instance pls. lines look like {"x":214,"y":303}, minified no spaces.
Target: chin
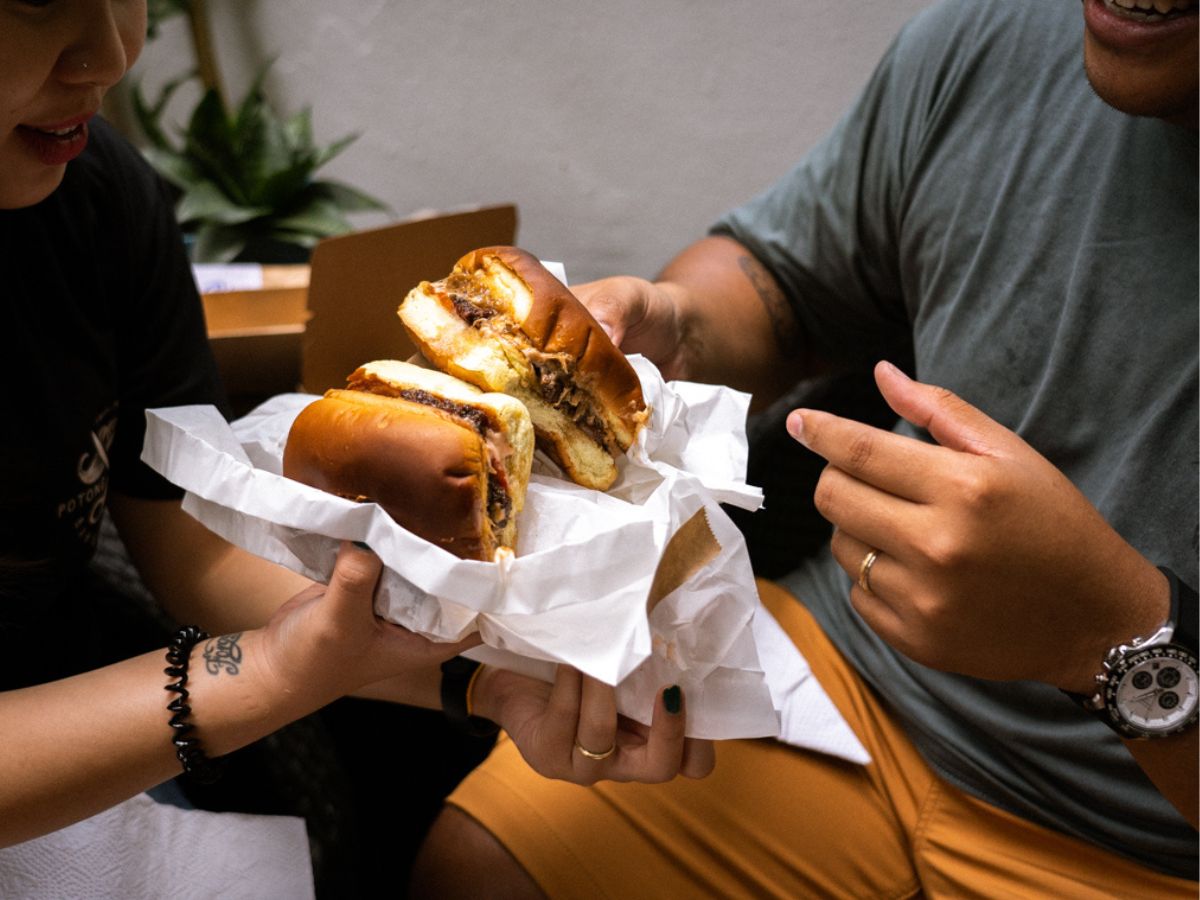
{"x":1161,"y":86}
{"x":17,"y":192}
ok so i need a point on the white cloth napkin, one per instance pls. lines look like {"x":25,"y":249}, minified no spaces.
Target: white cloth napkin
{"x":143,"y":850}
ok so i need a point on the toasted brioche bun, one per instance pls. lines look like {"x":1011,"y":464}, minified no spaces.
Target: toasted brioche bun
{"x":502,"y":322}
{"x":510,"y":429}
{"x":451,"y":470}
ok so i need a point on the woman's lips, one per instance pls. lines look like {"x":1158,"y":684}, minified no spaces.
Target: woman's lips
{"x":56,"y":145}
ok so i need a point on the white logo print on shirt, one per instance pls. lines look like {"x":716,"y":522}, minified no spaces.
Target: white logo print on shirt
{"x":85,"y":509}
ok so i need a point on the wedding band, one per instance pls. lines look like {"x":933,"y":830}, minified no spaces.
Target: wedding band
{"x":864,"y":570}
{"x":591,"y":754}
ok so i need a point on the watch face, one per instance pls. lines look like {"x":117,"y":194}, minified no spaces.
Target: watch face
{"x":1155,"y":690}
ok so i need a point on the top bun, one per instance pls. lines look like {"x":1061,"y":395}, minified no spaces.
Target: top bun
{"x":557,"y":323}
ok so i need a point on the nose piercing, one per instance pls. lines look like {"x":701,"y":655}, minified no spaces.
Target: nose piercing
{"x":83,"y":65}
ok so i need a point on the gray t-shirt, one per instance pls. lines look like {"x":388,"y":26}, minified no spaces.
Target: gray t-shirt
{"x":1037,"y":250}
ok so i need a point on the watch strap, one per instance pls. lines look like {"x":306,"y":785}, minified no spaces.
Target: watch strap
{"x":1185,"y":611}
{"x":458,"y":678}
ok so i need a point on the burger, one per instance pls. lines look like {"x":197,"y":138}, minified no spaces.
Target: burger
{"x":445,"y":460}
{"x":501,"y":321}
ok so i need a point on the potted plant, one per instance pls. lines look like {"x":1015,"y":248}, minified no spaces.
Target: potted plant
{"x":246,"y":180}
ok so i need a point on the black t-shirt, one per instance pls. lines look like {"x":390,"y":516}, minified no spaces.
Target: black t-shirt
{"x":100,"y":321}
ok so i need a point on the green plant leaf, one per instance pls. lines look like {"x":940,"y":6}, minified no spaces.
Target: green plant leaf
{"x":173,"y":166}
{"x":210,"y":145}
{"x":204,"y":201}
{"x":307,"y":241}
{"x":324,"y":156}
{"x":260,"y":146}
{"x":298,"y":129}
{"x":251,"y":174}
{"x":348,"y":199}
{"x":149,"y":115}
{"x":320,"y":218}
{"x":217,"y":243}
{"x":209,"y":125}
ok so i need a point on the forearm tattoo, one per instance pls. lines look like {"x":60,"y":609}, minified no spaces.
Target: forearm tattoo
{"x":783,"y":320}
{"x":223,"y":653}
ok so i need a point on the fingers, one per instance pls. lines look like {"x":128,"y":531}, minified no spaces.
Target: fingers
{"x":663,"y":753}
{"x":899,"y":465}
{"x":562,"y":714}
{"x":874,"y":516}
{"x":355,"y":575}
{"x":874,"y":587}
{"x":699,"y":758}
{"x":953,"y":423}
{"x":610,"y":303}
{"x":874,"y":577}
{"x":890,"y":462}
{"x":598,"y":744}
{"x":596,"y":734}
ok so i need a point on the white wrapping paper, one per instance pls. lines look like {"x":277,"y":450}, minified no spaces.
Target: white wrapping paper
{"x":577,"y":590}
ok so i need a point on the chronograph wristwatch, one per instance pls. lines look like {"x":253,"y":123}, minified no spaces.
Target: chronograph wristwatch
{"x":1149,"y":687}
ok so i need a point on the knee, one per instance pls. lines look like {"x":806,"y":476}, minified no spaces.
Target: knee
{"x":461,"y":858}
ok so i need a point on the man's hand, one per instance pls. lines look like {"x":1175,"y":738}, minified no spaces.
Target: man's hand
{"x":715,"y":315}
{"x":991,"y":563}
{"x":640,"y":317}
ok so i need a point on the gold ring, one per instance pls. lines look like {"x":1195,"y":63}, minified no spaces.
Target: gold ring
{"x":591,"y":754}
{"x":864,"y":570}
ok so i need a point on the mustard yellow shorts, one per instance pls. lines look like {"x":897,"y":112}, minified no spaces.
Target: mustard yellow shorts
{"x":774,"y":821}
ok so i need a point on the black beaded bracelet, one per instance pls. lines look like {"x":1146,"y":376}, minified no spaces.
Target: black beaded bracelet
{"x":195,"y":763}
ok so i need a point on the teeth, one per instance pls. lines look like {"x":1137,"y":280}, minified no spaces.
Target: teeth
{"x":1148,"y":8}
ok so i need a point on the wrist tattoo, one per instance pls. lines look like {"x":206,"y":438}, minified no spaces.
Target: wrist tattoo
{"x":223,"y":653}
{"x":783,"y":320}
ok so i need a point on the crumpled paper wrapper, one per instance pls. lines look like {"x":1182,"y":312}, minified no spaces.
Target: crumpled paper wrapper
{"x":646,"y":585}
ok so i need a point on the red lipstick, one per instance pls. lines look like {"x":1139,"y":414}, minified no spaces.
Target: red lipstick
{"x":58,"y":144}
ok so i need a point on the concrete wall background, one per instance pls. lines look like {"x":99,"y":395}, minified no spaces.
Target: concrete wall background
{"x":621,"y":129}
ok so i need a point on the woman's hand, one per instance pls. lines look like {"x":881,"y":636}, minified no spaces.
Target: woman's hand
{"x":991,"y":563}
{"x":552,"y":726}
{"x":329,"y":640}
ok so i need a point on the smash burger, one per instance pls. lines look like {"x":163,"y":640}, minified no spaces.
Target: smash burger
{"x":502,"y":322}
{"x":447,"y":461}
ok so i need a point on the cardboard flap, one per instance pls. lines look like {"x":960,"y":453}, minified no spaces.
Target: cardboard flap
{"x":255,"y":338}
{"x":687,"y":552}
{"x":358,"y":280}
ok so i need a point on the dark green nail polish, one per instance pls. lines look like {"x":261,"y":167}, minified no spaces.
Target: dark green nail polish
{"x":361,"y":546}
{"x":673,"y":699}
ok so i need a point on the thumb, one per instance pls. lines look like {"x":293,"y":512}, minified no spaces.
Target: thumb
{"x":605,"y":306}
{"x":354,"y":577}
{"x":952,"y":421}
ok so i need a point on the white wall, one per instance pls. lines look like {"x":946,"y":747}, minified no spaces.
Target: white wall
{"x":621,"y":128}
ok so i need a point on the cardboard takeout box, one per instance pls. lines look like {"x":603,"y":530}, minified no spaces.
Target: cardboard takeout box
{"x":307,"y":327}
